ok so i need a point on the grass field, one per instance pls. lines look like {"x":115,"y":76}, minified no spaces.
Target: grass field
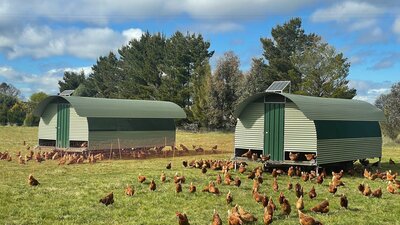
{"x":70,"y":194}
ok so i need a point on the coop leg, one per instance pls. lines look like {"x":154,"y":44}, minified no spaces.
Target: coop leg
{"x":316,"y":170}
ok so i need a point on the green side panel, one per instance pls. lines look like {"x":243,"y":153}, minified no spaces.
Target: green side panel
{"x":78,"y":127}
{"x":48,"y":123}
{"x":274,"y":133}
{"x":130,"y":124}
{"x":130,"y":139}
{"x":63,"y":125}
{"x":348,"y":149}
{"x":300,"y":133}
{"x":327,"y":129}
{"x":249,"y":131}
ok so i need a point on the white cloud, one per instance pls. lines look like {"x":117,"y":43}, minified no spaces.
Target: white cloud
{"x":363,"y":24}
{"x":372,"y":35}
{"x":102,"y":12}
{"x":369,"y":91}
{"x":239,"y":9}
{"x":221,"y":27}
{"x":132,"y":34}
{"x":386,"y":62}
{"x":32,"y":83}
{"x":396,"y":26}
{"x":356,"y":16}
{"x":42,"y":41}
{"x":346,"y":11}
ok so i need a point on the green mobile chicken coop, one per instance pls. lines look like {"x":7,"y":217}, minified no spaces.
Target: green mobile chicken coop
{"x":335,"y":130}
{"x":68,"y":122}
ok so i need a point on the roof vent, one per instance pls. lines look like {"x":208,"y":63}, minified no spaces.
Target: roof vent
{"x":66,"y":93}
{"x":278,"y":86}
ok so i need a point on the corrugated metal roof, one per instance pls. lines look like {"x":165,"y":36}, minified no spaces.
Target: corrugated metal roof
{"x":117,"y":108}
{"x":316,"y":108}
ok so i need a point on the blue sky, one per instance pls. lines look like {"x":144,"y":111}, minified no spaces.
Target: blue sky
{"x":39,"y":40}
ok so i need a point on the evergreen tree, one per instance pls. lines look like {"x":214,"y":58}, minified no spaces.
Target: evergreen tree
{"x":71,"y":80}
{"x":106,"y":77}
{"x":140,"y":64}
{"x":201,"y":95}
{"x":285,"y":41}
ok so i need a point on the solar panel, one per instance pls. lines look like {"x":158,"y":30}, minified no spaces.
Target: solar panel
{"x":278,"y":86}
{"x":67,"y":93}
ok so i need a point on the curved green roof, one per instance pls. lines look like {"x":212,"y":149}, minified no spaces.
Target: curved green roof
{"x":317,"y":108}
{"x":116,"y":108}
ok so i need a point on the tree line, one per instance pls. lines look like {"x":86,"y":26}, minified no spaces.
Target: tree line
{"x":15,"y":111}
{"x":177,"y":69}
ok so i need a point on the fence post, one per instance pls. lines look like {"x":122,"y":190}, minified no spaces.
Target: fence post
{"x":119,"y":147}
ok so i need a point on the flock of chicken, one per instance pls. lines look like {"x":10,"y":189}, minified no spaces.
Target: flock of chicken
{"x":65,"y":158}
{"x":292,"y":156}
{"x":237,"y":215}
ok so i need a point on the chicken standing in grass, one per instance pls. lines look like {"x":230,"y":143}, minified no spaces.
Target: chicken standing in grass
{"x":216,"y":219}
{"x":21,"y":160}
{"x":237,"y":182}
{"x":322,"y":207}
{"x":168,"y":166}
{"x":234,"y":218}
{"x":307,"y":220}
{"x":182,"y":218}
{"x":178,"y":187}
{"x":192,"y":188}
{"x":289,"y":185}
{"x":320,"y":179}
{"x":163,"y":177}
{"x":246,"y":216}
{"x":141,"y":178}
{"x":268,"y":215}
{"x":285,"y":207}
{"x":275,"y":185}
{"x":129,"y":190}
{"x":312,"y":194}
{"x":390,"y":188}
{"x":32,"y":181}
{"x":300,"y":203}
{"x":229,"y":198}
{"x":343,"y":201}
{"x":152,"y":185}
{"x":367,"y":190}
{"x":108,"y":200}
{"x":332,"y":188}
{"x":377,"y":193}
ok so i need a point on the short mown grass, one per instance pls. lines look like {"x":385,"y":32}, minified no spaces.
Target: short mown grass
{"x":70,"y":194}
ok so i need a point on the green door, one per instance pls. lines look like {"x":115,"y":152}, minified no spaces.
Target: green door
{"x":63,"y":125}
{"x":273,"y":130}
